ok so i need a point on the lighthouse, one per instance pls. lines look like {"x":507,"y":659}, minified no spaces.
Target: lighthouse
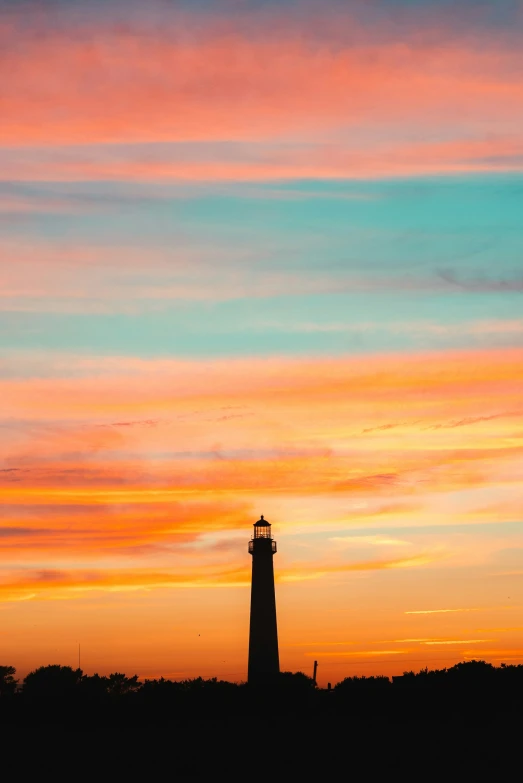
{"x":264,"y":662}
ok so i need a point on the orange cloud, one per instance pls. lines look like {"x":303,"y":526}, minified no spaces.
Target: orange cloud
{"x":458,"y":641}
{"x":356,"y":654}
{"x":443,"y":611}
{"x":92,"y":456}
{"x":63,"y":584}
{"x":453,"y":380}
{"x":58,"y":583}
{"x":316,"y":571}
{"x":116,"y":527}
{"x":110,"y":460}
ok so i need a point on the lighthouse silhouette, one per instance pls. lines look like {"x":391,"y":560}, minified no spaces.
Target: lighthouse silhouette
{"x":264,"y":662}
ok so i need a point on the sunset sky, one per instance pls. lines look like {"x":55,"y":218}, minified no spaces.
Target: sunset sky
{"x":261,"y":256}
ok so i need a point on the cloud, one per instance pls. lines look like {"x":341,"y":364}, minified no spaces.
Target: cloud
{"x":320,"y":644}
{"x":22,"y":532}
{"x":378,"y":480}
{"x":185,"y":395}
{"x":20,"y":204}
{"x":394,"y":286}
{"x":361,"y":653}
{"x":116,"y":526}
{"x":47,"y":583}
{"x":93,"y":490}
{"x":484,"y":285}
{"x":49,"y":274}
{"x":508,"y":573}
{"x":268,"y":162}
{"x":142,"y":423}
{"x":316,"y":571}
{"x":474,"y":420}
{"x":373,"y":540}
{"x":458,"y":641}
{"x":442,"y":641}
{"x":495,"y":654}
{"x":273,"y":91}
{"x":443,"y":611}
{"x":71,"y":584}
{"x":384,"y":427}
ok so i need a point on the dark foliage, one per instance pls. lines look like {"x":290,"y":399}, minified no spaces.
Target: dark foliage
{"x":7,"y":681}
{"x":58,"y":695}
{"x":459,"y":723}
{"x":362,"y":684}
{"x":49,"y":682}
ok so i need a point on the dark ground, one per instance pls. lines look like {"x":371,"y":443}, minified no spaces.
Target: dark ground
{"x":461,"y":724}
{"x":294,"y":747}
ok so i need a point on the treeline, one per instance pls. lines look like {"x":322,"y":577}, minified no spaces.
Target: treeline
{"x":63,"y":695}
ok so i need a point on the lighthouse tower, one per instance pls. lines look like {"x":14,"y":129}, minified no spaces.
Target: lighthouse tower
{"x":264,"y":663}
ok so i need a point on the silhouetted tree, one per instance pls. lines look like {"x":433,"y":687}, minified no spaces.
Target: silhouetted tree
{"x":7,"y":680}
{"x":119,"y":684}
{"x":474,"y":690}
{"x":211,"y":685}
{"x":295,"y":681}
{"x":94,"y":687}
{"x":362,"y":683}
{"x":52,"y":681}
{"x":469,"y":672}
{"x":424,"y":678}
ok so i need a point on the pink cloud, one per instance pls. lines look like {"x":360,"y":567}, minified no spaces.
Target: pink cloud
{"x":328,"y":160}
{"x":121,"y":84}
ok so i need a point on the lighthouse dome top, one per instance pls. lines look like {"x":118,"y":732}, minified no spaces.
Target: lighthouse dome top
{"x":262,"y":528}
